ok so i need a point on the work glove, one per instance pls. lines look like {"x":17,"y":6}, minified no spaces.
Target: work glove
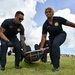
{"x":42,"y":49}
{"x":9,"y":43}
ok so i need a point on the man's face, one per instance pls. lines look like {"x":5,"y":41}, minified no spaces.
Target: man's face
{"x":19,"y":18}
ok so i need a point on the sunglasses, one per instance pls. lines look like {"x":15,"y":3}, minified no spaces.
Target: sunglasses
{"x":20,"y":18}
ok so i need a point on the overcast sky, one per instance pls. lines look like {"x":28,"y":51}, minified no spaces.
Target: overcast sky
{"x":35,"y":17}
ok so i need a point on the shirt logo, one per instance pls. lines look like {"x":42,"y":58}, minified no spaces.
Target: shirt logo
{"x":18,"y":30}
{"x":56,"y":24}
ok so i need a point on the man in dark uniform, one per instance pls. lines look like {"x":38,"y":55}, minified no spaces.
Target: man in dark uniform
{"x":12,"y":28}
{"x":53,"y":25}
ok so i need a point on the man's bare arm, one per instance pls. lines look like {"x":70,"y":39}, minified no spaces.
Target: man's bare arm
{"x":2,"y":36}
{"x":22,"y":39}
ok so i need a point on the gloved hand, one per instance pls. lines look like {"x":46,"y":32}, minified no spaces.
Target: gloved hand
{"x":42,"y":49}
{"x":9,"y":43}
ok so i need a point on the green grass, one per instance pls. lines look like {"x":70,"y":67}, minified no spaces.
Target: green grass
{"x":67,"y":68}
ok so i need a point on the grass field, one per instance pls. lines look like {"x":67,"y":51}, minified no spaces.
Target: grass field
{"x":67,"y":68}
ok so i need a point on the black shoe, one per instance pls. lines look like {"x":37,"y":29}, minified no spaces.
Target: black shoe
{"x":2,"y":68}
{"x":18,"y":67}
{"x":44,"y":61}
{"x":55,"y":69}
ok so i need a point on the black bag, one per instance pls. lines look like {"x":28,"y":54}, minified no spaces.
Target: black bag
{"x":9,"y":53}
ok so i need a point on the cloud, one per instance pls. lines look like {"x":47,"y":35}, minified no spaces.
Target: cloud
{"x":32,"y":32}
{"x":8,"y":9}
{"x":66,"y":13}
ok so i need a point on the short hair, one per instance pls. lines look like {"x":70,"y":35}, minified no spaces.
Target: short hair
{"x":49,"y":8}
{"x":19,"y":12}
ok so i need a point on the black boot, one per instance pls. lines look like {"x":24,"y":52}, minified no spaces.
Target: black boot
{"x":2,"y":68}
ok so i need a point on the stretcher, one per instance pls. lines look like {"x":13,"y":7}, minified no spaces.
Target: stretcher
{"x":32,"y":56}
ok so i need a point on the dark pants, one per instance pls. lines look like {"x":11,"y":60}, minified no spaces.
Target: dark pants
{"x":22,"y":55}
{"x":17,"y":48}
{"x":55,"y":43}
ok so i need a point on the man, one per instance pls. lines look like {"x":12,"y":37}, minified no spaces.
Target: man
{"x":12,"y":28}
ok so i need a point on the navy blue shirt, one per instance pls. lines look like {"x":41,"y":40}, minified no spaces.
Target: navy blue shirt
{"x":55,"y":28}
{"x":12,"y":29}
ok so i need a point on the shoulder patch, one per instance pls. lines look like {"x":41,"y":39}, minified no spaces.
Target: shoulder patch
{"x":48,"y":26}
{"x":18,"y":29}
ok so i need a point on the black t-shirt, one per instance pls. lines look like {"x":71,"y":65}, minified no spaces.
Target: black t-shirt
{"x":55,"y":28}
{"x":12,"y":29}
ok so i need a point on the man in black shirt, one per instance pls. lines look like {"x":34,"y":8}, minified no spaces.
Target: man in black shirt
{"x":53,"y":25}
{"x":12,"y":28}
